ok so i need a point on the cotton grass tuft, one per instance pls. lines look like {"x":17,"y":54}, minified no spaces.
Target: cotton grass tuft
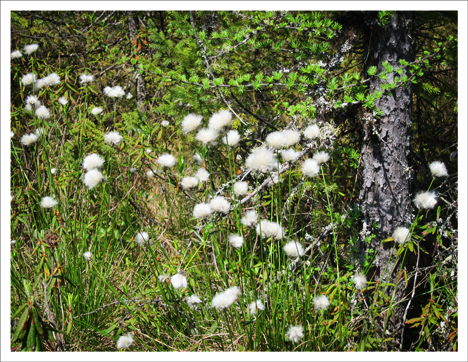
{"x":166,"y":160}
{"x":31,"y":48}
{"x":321,"y":157}
{"x":236,"y":241}
{"x":262,"y":160}
{"x":291,"y":137}
{"x":48,"y":202}
{"x":256,"y":306}
{"x":295,"y":333}
{"x":241,"y":188}
{"x":425,"y":200}
{"x":29,"y":139}
{"x":290,"y":155}
{"x":42,"y":113}
{"x":92,"y":178}
{"x":142,"y":238}
{"x":232,"y":138}
{"x":16,"y":54}
{"x":312,"y":132}
{"x":179,"y":281}
{"x":193,"y":301}
{"x":310,"y":168}
{"x":189,"y":182}
{"x":125,"y":341}
{"x":220,"y":204}
{"x":93,"y":161}
{"x":360,"y":281}
{"x":191,"y":122}
{"x":113,"y":138}
{"x":438,"y":169}
{"x":276,"y":139}
{"x":87,"y":255}
{"x":202,"y":175}
{"x":202,"y":211}
{"x":321,"y":302}
{"x":401,"y":235}
{"x":86,"y":78}
{"x":28,"y":79}
{"x":293,"y":249}
{"x":206,"y":135}
{"x":96,"y":110}
{"x":250,"y":218}
{"x":220,"y":120}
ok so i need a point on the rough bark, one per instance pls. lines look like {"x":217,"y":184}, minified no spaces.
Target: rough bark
{"x":139,"y":80}
{"x":386,"y":176}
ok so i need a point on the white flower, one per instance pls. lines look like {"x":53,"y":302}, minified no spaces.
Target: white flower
{"x":312,"y":132}
{"x":276,"y":139}
{"x":425,"y":200}
{"x":40,"y":83}
{"x":92,"y":161}
{"x":29,"y":139}
{"x":220,"y":204}
{"x":360,"y":281}
{"x":191,"y":122}
{"x":193,"y":301}
{"x":201,"y":211}
{"x":48,"y":202}
{"x":202,"y":175}
{"x":321,"y":157}
{"x":401,"y":235}
{"x":116,"y":92}
{"x":142,"y":238}
{"x":166,"y":160}
{"x":113,"y":138}
{"x":220,"y":120}
{"x":438,"y":169}
{"x":31,"y":48}
{"x":197,"y":158}
{"x":12,"y":134}
{"x":96,"y":110}
{"x":295,"y":333}
{"x":86,"y":78}
{"x":52,"y":79}
{"x":261,"y":160}
{"x":125,"y":341}
{"x":232,"y":138}
{"x":129,"y":96}
{"x":53,"y":171}
{"x":321,"y":302}
{"x":293,"y":249}
{"x":16,"y":54}
{"x":29,"y":78}
{"x":250,"y":218}
{"x":165,"y":123}
{"x":62,"y":101}
{"x":310,"y":168}
{"x":179,"y":281}
{"x":148,"y":151}
{"x":163,"y":277}
{"x":270,"y":229}
{"x":39,"y":132}
{"x":189,"y":182}
{"x":290,"y":154}
{"x":236,"y":241}
{"x":291,"y":136}
{"x":206,"y":135}
{"x":150,"y":174}
{"x":87,"y":255}
{"x":224,"y":299}
{"x":31,"y":99}
{"x":92,"y":178}
{"x":42,"y":112}
{"x":241,"y":188}
{"x":256,"y":306}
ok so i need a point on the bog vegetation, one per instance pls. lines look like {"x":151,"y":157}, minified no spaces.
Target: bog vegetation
{"x":190,"y":181}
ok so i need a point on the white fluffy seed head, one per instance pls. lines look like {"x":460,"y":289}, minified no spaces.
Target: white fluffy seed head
{"x":125,"y":341}
{"x":191,"y":122}
{"x":438,"y":169}
{"x":31,"y":48}
{"x":291,"y":136}
{"x":96,"y":110}
{"x":425,"y":200}
{"x":220,"y":120}
{"x":401,"y":234}
{"x":256,"y":306}
{"x":220,"y":204}
{"x":360,"y":281}
{"x":293,"y":249}
{"x":193,"y":301}
{"x":92,"y":178}
{"x":312,"y":132}
{"x":129,"y":96}
{"x":197,"y":158}
{"x":93,"y":161}
{"x":202,"y":211}
{"x":142,"y":238}
{"x":321,"y":302}
{"x":86,"y":78}
{"x":39,"y":132}
{"x":290,"y":154}
{"x":321,"y":157}
{"x":189,"y":182}
{"x":276,"y":139}
{"x":236,"y":241}
{"x":52,"y":79}
{"x":232,"y":138}
{"x":310,"y":168}
{"x":48,"y":202}
{"x":63,"y":101}
{"x":113,"y":138}
{"x":115,"y":92}
{"x":206,"y":135}
{"x":166,"y":160}
{"x":250,"y":218}
{"x":31,"y":99}
{"x":16,"y":54}
{"x":42,"y":112}
{"x":28,"y":79}
{"x":241,"y":188}
{"x":163,"y":277}
{"x":87,"y":255}
{"x":202,"y":175}
{"x":295,"y":333}
{"x":165,"y":123}
{"x":223,"y":300}
{"x":150,"y":174}
{"x":262,"y":160}
{"x":29,"y":139}
{"x":179,"y":281}
{"x":269,"y":229}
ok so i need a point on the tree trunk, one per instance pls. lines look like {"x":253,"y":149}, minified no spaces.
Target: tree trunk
{"x":385,"y":194}
{"x":139,"y":79}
